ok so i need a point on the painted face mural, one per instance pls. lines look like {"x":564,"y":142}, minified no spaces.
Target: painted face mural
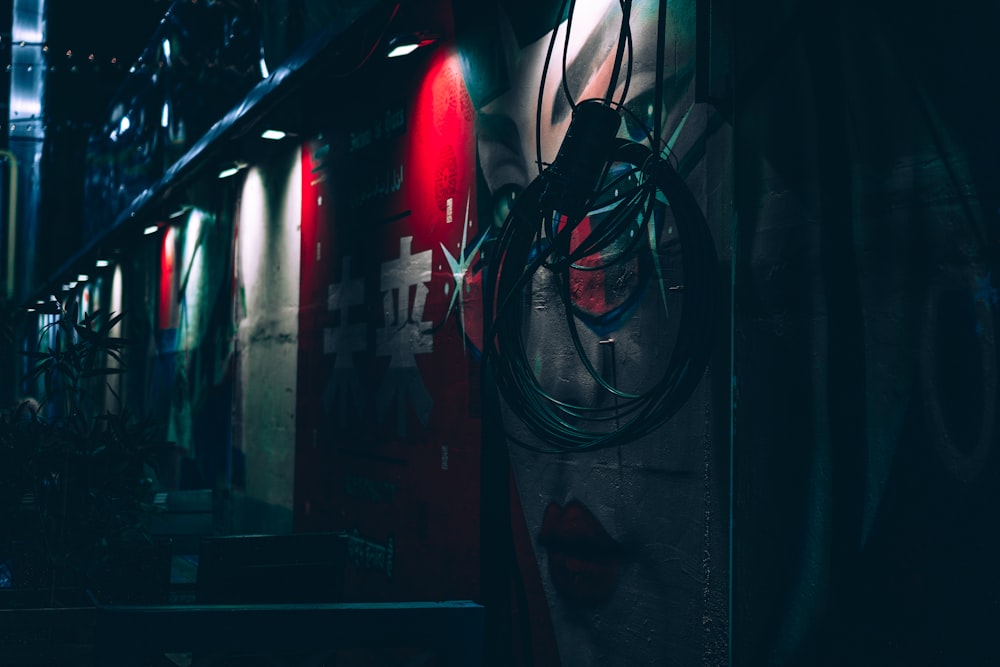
{"x":622,"y":536}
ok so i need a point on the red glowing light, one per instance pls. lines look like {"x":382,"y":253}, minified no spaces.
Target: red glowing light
{"x":167,"y":306}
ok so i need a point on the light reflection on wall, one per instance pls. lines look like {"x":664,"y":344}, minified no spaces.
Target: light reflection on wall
{"x":115,"y":306}
{"x":251,"y":231}
{"x":86,"y":301}
{"x":268,"y":248}
{"x":168,"y":287}
{"x":116,"y":297}
{"x":191,"y":280}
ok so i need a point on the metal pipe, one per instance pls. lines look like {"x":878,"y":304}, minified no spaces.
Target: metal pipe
{"x":11,"y":222}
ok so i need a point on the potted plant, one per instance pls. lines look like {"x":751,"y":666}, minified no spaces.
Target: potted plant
{"x":75,"y":477}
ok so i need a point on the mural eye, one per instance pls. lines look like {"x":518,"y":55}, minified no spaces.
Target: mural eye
{"x":639,"y":116}
{"x":503,"y":201}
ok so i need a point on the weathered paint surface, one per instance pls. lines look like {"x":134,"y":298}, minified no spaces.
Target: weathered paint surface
{"x":649,"y":584}
{"x":865,"y":337}
{"x":267,"y":344}
{"x":388,"y":426}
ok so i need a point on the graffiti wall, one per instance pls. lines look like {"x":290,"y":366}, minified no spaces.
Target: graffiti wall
{"x":866,"y":360}
{"x":388,"y":425}
{"x":266,"y":316}
{"x":318,"y":340}
{"x":191,"y":318}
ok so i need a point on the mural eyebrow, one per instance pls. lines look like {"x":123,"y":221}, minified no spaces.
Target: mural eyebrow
{"x":581,"y":68}
{"x":501,"y":129}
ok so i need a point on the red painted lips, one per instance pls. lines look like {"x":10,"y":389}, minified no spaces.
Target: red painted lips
{"x":584,"y":560}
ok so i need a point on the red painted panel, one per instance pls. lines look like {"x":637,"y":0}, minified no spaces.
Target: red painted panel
{"x":388,"y":415}
{"x":167,"y":312}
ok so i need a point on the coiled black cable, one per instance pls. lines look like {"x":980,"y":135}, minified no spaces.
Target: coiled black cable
{"x":536,"y":236}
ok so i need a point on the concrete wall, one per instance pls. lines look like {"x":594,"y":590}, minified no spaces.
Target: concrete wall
{"x":865,"y":336}
{"x":267,"y":315}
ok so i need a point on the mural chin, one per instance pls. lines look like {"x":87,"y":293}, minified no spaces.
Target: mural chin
{"x":618,"y":543}
{"x":584,"y":561}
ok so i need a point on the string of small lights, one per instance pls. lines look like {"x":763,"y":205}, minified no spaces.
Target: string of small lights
{"x":83,"y":69}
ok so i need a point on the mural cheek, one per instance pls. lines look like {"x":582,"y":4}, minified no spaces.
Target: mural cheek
{"x":597,"y":518}
{"x":610,"y":557}
{"x":584,"y":561}
{"x":612,"y":529}
{"x":607,"y":288}
{"x":572,"y":522}
{"x":558,"y":367}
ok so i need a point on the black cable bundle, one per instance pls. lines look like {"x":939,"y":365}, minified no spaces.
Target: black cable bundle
{"x":536,"y":235}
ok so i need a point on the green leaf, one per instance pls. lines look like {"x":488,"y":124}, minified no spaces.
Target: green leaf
{"x":115,"y":319}
{"x":84,"y":331}
{"x":40,"y":368}
{"x":102,"y":371}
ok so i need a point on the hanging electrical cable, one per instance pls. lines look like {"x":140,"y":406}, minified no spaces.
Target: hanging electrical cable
{"x":627,"y":183}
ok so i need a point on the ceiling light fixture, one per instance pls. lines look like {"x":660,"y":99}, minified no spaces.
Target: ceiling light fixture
{"x":232,"y":169}
{"x":405,"y":44}
{"x":180,"y":211}
{"x":152,"y":229}
{"x":273,"y":135}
